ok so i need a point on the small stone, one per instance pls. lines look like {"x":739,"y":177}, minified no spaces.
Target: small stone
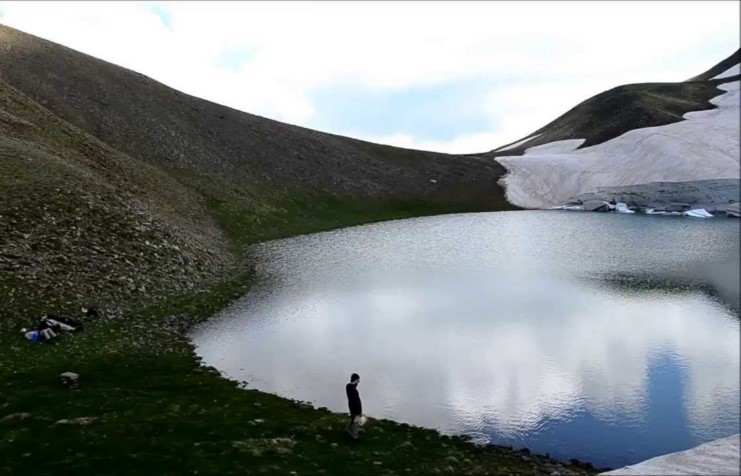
{"x":16,"y":416}
{"x":76,"y":421}
{"x":70,"y":379}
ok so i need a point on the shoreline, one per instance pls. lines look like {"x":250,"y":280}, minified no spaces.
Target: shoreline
{"x":145,"y":403}
{"x":140,"y":374}
{"x":524,"y":454}
{"x":464,"y":436}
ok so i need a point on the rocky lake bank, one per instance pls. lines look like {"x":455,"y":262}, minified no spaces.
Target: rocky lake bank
{"x":717,"y":197}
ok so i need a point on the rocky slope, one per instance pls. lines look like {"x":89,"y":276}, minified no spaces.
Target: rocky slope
{"x":80,"y":221}
{"x":631,"y":135}
{"x":711,"y":195}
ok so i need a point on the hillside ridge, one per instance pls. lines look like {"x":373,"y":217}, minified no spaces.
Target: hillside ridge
{"x":618,"y":110}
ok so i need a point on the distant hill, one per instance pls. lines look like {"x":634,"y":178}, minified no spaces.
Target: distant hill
{"x":629,"y":135}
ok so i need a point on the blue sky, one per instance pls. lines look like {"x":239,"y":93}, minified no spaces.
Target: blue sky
{"x":163,"y":12}
{"x":430,"y":112}
{"x":234,"y":58}
{"x":453,"y":77}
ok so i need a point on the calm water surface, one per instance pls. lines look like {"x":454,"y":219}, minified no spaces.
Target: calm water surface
{"x":608,"y":338}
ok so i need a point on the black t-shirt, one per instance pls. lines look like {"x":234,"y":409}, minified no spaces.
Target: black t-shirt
{"x":353,"y":399}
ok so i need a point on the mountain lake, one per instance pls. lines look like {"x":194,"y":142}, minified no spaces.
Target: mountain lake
{"x":604,"y":337}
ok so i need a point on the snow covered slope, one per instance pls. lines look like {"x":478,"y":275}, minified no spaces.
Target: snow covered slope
{"x":631,"y":135}
{"x":719,"y":457}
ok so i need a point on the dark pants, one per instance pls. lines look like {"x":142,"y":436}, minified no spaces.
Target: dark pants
{"x":353,"y":427}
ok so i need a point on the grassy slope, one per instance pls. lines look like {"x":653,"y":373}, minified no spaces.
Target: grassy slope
{"x":75,"y":211}
{"x":633,"y":106}
{"x":159,"y":125}
{"x":157,"y":412}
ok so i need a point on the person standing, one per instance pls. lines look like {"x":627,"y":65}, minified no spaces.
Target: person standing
{"x":355,"y":406}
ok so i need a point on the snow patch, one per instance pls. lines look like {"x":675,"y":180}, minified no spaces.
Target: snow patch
{"x":623,"y":208}
{"x":558,"y":147}
{"x":703,"y":146}
{"x":698,"y":213}
{"x":651,"y":211}
{"x":732,"y":71}
{"x":518,"y":143}
{"x":568,"y":207}
{"x":716,"y":457}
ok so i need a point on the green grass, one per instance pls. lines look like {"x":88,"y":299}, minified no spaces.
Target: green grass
{"x":156,"y":411}
{"x":249,"y":215}
{"x":320,"y":213}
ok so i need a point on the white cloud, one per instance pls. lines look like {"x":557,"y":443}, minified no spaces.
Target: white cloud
{"x":556,"y":53}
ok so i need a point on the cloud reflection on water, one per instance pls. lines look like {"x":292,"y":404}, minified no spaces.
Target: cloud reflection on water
{"x":462,"y":335}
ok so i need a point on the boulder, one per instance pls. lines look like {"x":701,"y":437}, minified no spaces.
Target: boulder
{"x":732,"y":209}
{"x":677,"y":207}
{"x":70,"y":379}
{"x":596,"y":206}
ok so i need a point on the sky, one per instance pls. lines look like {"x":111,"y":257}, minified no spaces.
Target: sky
{"x":457,"y":77}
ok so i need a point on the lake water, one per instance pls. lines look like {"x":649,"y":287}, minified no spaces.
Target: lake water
{"x":608,"y":338}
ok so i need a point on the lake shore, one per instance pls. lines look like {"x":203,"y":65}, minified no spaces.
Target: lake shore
{"x":438,"y":321}
{"x":146,"y":404}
